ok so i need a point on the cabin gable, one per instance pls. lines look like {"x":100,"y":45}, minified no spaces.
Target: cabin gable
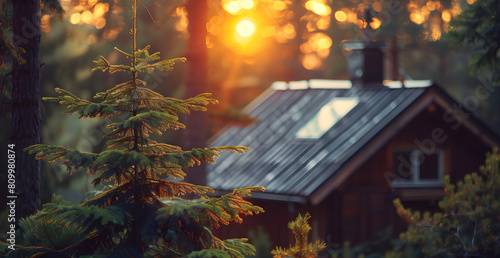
{"x":362,"y":204}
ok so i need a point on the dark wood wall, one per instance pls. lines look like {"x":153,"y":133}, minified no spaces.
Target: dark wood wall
{"x":274,"y":222}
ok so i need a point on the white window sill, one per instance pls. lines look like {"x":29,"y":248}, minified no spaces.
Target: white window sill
{"x":435,"y":184}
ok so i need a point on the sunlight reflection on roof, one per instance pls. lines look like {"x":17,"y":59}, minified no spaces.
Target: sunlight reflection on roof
{"x":328,"y":116}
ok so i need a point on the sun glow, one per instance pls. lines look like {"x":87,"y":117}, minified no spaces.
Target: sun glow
{"x":245,"y":28}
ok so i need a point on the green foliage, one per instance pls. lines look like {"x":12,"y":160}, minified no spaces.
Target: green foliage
{"x":54,"y":233}
{"x":89,"y":218}
{"x":213,"y":211}
{"x":210,"y":253}
{"x":8,"y":48}
{"x":142,"y":213}
{"x":236,"y":247}
{"x":384,"y":245}
{"x":302,"y":249}
{"x":51,"y":7}
{"x":143,"y":64}
{"x":479,"y":26}
{"x":260,"y":239}
{"x":469,"y":225}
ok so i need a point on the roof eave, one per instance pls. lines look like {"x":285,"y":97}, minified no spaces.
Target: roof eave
{"x":271,"y":196}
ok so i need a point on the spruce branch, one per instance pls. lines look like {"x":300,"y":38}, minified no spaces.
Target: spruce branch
{"x":72,"y":159}
{"x":214,"y":211}
{"x":104,"y":65}
{"x":236,"y":248}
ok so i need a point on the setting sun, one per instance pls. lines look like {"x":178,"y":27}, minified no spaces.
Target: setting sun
{"x":245,"y":28}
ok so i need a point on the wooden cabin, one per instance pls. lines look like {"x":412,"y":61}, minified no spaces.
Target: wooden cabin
{"x":343,"y":150}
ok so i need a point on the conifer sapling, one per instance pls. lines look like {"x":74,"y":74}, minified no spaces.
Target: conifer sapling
{"x":302,"y":248}
{"x":142,"y":214}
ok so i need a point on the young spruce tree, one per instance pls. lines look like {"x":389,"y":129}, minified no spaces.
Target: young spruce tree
{"x":302,"y":248}
{"x":142,"y":215}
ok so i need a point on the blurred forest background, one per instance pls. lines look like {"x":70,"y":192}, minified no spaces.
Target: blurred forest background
{"x":250,"y":44}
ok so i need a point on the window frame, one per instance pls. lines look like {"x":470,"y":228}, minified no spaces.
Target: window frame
{"x":416,"y":181}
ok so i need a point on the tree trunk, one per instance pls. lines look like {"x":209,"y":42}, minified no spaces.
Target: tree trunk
{"x":26,"y":114}
{"x":195,"y":135}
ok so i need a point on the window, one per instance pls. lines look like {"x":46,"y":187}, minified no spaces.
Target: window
{"x":328,"y":115}
{"x":415,"y":168}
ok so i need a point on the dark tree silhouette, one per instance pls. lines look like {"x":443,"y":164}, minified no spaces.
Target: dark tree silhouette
{"x":195,"y":134}
{"x":26,"y":115}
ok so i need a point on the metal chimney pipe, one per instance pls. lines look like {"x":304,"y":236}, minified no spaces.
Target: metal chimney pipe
{"x":365,"y":61}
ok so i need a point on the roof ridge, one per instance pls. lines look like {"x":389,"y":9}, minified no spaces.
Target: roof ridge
{"x":343,"y":84}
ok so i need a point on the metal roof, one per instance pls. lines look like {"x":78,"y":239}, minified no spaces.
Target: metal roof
{"x":287,"y":165}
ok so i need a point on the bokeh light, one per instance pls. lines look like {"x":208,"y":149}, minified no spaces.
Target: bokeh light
{"x":446,"y":16}
{"x":45,"y":23}
{"x":417,"y":18}
{"x":245,"y":28}
{"x":375,"y":24}
{"x":311,"y":62}
{"x":100,"y":9}
{"x":316,"y":42}
{"x":279,"y":5}
{"x":433,"y":15}
{"x":232,"y":7}
{"x":90,"y":12}
{"x":235,"y":7}
{"x":319,"y":7}
{"x":377,"y":7}
{"x":182,"y":22}
{"x":100,"y":23}
{"x":340,"y":16}
{"x":87,"y":17}
{"x":75,"y":18}
{"x":280,"y":22}
{"x":247,"y":4}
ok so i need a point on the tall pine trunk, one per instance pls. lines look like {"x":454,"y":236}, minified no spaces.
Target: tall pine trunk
{"x":26,"y":105}
{"x":195,"y":134}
